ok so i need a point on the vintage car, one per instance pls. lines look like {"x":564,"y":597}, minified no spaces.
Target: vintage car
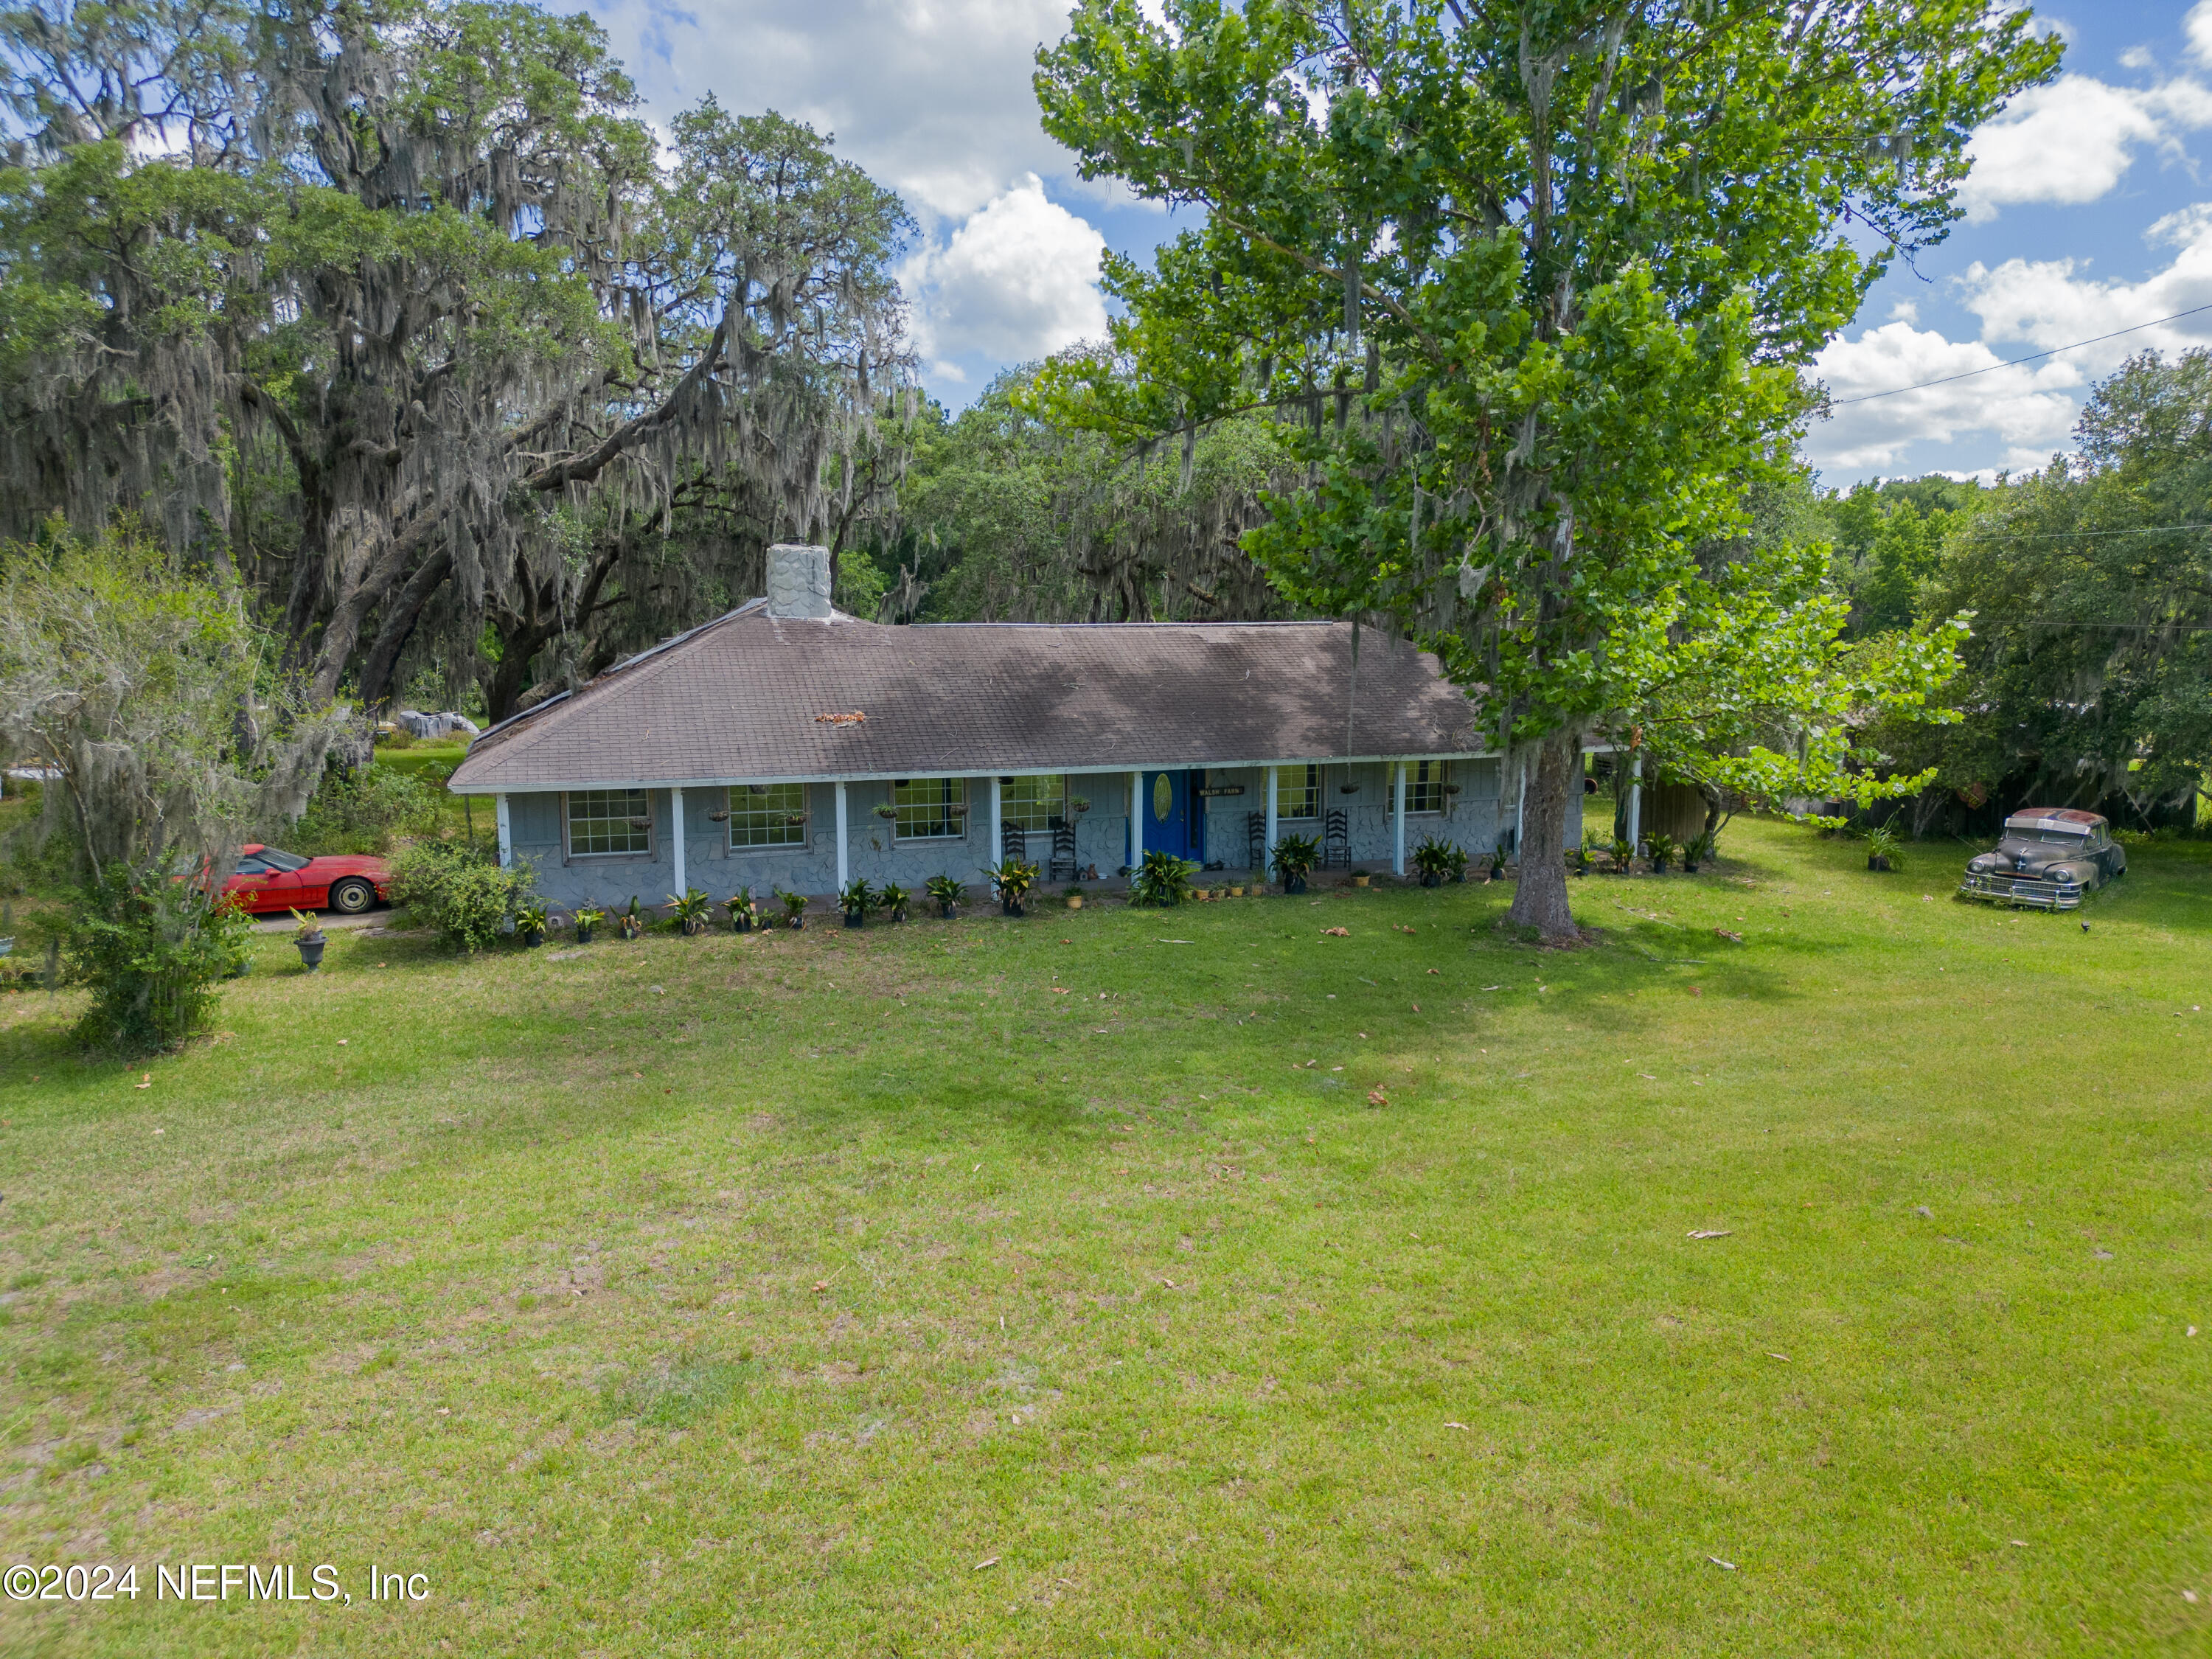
{"x":2050,"y":856}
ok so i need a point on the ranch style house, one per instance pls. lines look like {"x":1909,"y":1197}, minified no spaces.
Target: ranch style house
{"x":787,"y":744}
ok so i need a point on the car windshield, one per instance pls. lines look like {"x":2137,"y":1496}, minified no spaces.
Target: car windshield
{"x":276,"y":860}
{"x":2048,"y":838}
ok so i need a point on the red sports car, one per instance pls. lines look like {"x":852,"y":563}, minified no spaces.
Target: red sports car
{"x":269,"y":879}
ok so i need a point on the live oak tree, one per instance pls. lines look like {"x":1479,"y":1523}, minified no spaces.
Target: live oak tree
{"x":387,"y":313}
{"x":1533,"y":284}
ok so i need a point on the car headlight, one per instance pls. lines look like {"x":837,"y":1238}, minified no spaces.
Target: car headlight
{"x":1980,"y":866}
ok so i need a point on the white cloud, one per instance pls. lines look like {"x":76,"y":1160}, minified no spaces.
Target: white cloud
{"x":2025,"y":306}
{"x":1018,"y":280}
{"x":931,"y":96}
{"x":2197,"y":28}
{"x":2073,"y":141}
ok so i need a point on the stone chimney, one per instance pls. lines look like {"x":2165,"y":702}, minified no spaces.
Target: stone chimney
{"x":798,"y":582}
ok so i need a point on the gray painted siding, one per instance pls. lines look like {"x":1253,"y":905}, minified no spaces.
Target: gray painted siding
{"x":1474,"y":819}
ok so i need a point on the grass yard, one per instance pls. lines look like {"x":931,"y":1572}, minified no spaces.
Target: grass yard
{"x":1018,"y":1288}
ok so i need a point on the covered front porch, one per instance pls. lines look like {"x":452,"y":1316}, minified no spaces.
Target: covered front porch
{"x":815,"y":835}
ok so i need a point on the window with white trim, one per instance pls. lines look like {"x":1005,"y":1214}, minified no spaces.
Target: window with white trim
{"x":1425,"y":787}
{"x":767,"y":815}
{"x":609,"y":823}
{"x":929,"y":809}
{"x":1297,"y":791}
{"x":1034,"y":803}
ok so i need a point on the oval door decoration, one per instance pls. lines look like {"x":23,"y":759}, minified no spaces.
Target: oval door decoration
{"x":1162,"y":797}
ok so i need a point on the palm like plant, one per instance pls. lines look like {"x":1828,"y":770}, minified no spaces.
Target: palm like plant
{"x":893,"y":899}
{"x":1294,"y":858}
{"x":794,"y":908}
{"x":692,"y":908}
{"x":1162,"y":879}
{"x":858,"y":898}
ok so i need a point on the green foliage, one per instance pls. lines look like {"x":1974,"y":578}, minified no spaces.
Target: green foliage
{"x":1012,"y":878}
{"x":739,"y":903}
{"x":1527,"y":288}
{"x":461,"y":891}
{"x":946,"y":890}
{"x":588,"y":920}
{"x":153,"y":949}
{"x":146,"y":688}
{"x":363,"y":812}
{"x":893,"y":899}
{"x":794,"y":908}
{"x":857,"y":897}
{"x":1162,"y":879}
{"x":691,"y":908}
{"x":531,"y":917}
{"x":1295,"y":856}
{"x":1882,"y":843}
{"x":2091,"y":666}
{"x":1433,"y":857}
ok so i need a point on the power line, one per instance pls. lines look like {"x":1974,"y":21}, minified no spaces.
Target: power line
{"x":2077,"y":535}
{"x":2032,"y":356}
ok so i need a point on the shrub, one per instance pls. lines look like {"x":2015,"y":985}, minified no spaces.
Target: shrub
{"x":1162,"y":878}
{"x":362,"y":811}
{"x":1295,"y":856}
{"x":153,"y":950}
{"x":459,"y":891}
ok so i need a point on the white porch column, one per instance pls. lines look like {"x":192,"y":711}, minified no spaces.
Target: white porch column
{"x":843,"y":879}
{"x":998,"y":820}
{"x":1635,"y":803}
{"x":676,"y":838}
{"x":1269,"y":851}
{"x":1136,"y":819}
{"x":1398,"y":825}
{"x":505,"y":838}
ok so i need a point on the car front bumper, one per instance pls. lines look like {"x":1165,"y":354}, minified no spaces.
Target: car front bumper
{"x":2013,"y":890}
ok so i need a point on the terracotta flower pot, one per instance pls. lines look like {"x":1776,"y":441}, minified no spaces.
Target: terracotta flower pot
{"x":1361,"y":881}
{"x":1075,"y":901}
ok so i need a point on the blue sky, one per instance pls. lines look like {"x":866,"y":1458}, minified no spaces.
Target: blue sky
{"x":2087,"y":212}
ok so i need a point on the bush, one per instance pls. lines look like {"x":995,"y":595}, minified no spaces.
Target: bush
{"x":460,"y":891}
{"x":153,"y":950}
{"x":360,"y":811}
{"x":1162,"y":879}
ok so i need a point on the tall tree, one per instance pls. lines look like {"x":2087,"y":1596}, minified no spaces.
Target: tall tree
{"x":2091,"y":586}
{"x":419,"y":255}
{"x":1561,"y":259}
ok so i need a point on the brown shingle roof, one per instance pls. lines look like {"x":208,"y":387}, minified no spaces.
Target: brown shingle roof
{"x":743,"y":697}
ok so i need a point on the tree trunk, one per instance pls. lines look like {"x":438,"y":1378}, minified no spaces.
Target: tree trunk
{"x":1540,"y":898}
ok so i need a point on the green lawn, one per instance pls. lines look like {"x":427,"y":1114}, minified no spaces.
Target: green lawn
{"x":749,"y":1296}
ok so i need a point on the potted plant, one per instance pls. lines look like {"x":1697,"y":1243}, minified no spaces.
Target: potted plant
{"x":1623,"y":854}
{"x":1432,"y":857}
{"x":694,"y":911}
{"x":629,"y":923}
{"x":587,"y":923}
{"x":1498,"y":862}
{"x":1237,"y":890}
{"x":858,"y":898}
{"x":1883,"y":849}
{"x":1012,"y":878}
{"x":307,"y":934}
{"x":794,"y":909}
{"x":1161,"y":878}
{"x":894,"y":900}
{"x":886,"y":811}
{"x":947,"y":892}
{"x":1458,"y":864}
{"x":1079,"y":805}
{"x":1361,"y":878}
{"x":1294,"y":858}
{"x":1075,"y":898}
{"x":1660,"y":848}
{"x":530,"y":921}
{"x":742,"y":910}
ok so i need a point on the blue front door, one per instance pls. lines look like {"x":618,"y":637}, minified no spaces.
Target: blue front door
{"x":1174,"y":818}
